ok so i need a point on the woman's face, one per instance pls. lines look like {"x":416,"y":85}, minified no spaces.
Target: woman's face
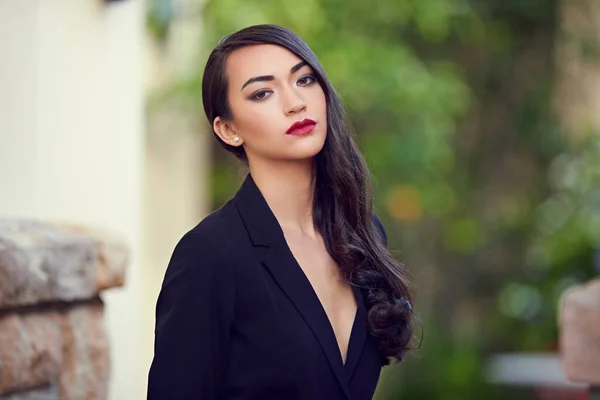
{"x":269,"y":90}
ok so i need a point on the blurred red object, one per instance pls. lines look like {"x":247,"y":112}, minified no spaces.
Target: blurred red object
{"x":550,"y":393}
{"x":579,"y":320}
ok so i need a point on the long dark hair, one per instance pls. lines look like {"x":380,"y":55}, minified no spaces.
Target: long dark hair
{"x":343,"y":207}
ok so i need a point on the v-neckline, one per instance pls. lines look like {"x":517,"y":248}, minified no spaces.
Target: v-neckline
{"x":352,"y":333}
{"x":272,"y":250}
{"x":343,"y":360}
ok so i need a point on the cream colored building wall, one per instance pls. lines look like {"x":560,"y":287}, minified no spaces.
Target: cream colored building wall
{"x":71,"y":138}
{"x":76,"y":145}
{"x":176,"y":160}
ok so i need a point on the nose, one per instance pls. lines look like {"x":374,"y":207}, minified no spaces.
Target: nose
{"x":293,"y":102}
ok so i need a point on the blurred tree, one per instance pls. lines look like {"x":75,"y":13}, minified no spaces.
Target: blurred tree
{"x":452,"y":103}
{"x":565,"y":236}
{"x":405,"y":96}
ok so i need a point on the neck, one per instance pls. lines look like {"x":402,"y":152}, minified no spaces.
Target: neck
{"x":288,"y":188}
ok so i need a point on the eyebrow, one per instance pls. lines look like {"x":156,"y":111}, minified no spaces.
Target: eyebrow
{"x":265,"y":78}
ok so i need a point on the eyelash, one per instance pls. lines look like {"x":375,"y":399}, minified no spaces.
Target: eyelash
{"x":309,"y":76}
{"x":255,"y":96}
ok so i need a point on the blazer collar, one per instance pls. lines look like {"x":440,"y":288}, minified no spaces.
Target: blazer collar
{"x":265,"y":231}
{"x":259,"y":220}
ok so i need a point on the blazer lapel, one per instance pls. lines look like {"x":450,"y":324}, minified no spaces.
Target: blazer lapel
{"x":358,"y":335}
{"x":296,"y":286}
{"x":265,"y":231}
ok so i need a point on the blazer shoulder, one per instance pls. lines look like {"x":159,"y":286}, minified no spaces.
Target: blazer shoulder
{"x":219,"y":224}
{"x":207,"y":240}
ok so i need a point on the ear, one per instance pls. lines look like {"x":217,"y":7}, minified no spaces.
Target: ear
{"x":227,"y":132}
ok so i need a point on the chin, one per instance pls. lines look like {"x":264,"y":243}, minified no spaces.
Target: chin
{"x":308,"y":149}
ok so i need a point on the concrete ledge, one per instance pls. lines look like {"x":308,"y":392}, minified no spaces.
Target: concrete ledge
{"x":42,"y":263}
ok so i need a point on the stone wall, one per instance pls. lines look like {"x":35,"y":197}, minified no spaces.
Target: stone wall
{"x":53,"y":342}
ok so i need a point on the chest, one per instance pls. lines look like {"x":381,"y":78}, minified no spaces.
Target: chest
{"x":283,"y":337}
{"x":324,"y":275}
{"x":283,"y":344}
{"x":327,"y":281}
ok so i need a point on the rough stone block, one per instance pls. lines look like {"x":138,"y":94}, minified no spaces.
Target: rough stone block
{"x":112,"y":256}
{"x":86,"y":365}
{"x":62,"y":345}
{"x":41,"y":263}
{"x":30,"y":351}
{"x":43,"y":393}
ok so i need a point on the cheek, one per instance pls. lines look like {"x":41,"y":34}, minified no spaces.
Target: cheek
{"x":255,"y":121}
{"x":320,"y":102}
{"x":260,"y":122}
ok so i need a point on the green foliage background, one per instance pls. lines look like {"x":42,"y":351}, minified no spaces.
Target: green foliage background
{"x":495,"y":211}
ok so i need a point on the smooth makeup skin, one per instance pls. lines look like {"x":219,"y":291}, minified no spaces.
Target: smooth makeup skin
{"x":280,"y":113}
{"x":269,"y":90}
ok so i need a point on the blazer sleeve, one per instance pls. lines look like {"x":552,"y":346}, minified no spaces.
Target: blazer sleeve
{"x":194,"y":313}
{"x":380,"y":229}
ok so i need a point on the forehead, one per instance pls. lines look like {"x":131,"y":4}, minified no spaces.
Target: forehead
{"x":262,"y":59}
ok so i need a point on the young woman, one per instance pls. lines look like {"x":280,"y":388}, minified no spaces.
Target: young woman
{"x":287,"y":291}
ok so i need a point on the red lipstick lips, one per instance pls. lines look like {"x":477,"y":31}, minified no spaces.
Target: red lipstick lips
{"x":302,"y":127}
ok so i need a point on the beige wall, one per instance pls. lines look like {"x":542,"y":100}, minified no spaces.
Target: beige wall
{"x":176,"y":161}
{"x":75,"y":145}
{"x":71,"y":137}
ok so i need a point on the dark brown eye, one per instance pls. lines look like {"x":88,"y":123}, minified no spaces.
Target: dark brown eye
{"x":306,"y":80}
{"x":260,"y":95}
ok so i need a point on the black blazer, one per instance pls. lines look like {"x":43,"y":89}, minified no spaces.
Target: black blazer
{"x":237,"y":318}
